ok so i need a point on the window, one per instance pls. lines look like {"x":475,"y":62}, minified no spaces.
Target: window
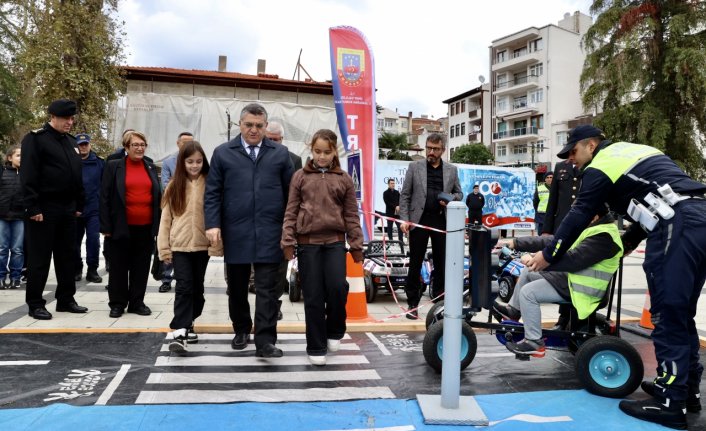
{"x":380,"y":123}
{"x":537,"y":121}
{"x":539,"y":147}
{"x":501,"y":105}
{"x":519,"y":52}
{"x":463,"y":106}
{"x":536,"y":96}
{"x":501,"y":151}
{"x":520,"y":78}
{"x":519,"y":102}
{"x":463,"y":128}
{"x":519,"y":149}
{"x":389,"y":123}
{"x":536,"y":45}
{"x":501,"y":81}
{"x":458,"y":107}
{"x":536,"y":69}
{"x":561,"y":138}
{"x":519,"y":124}
{"x":453,"y":109}
{"x":501,"y":56}
{"x":458,"y":130}
{"x":452,"y":131}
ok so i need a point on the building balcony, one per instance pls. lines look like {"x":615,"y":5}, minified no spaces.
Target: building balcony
{"x":521,"y":134}
{"x":516,"y":86}
{"x":517,"y":62}
{"x":475,"y":113}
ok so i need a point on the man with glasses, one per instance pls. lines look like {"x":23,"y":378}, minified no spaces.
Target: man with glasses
{"x":246,"y":194}
{"x":420,"y":203}
{"x":52,"y":185}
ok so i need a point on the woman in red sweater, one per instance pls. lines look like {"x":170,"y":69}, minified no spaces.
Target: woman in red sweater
{"x":129,"y":219}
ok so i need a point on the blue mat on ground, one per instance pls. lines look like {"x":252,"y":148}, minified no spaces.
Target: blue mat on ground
{"x":531,"y":411}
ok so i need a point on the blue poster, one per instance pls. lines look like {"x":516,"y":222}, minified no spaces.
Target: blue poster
{"x":354,"y":172}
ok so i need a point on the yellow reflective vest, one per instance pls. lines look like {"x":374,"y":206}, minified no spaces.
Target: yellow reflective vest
{"x":618,"y":158}
{"x":588,"y":286}
{"x":543,"y":193}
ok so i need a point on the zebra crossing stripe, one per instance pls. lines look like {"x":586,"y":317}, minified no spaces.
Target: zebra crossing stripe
{"x":217,"y":337}
{"x":262,"y":395}
{"x":240,"y":361}
{"x":226,"y":347}
{"x":243,"y":378}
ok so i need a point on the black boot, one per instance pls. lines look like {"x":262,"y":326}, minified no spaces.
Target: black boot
{"x":92,"y":276}
{"x":693,"y":399}
{"x":669,"y":413}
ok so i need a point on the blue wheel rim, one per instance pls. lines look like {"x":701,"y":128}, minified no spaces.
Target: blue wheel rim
{"x":609,"y":369}
{"x":440,"y":348}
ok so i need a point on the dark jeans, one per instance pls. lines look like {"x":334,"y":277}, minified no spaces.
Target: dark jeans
{"x":189,"y":272}
{"x":475,"y":216}
{"x":675,"y":265}
{"x":55,"y":236}
{"x":89,"y":225}
{"x":265,"y":300}
{"x":322,"y":269}
{"x":418,"y":240}
{"x":130,"y":260}
{"x":12,"y":234}
{"x":389,"y":228}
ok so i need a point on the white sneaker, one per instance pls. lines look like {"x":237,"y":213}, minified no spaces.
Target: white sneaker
{"x":178,"y":343}
{"x":333,"y":345}
{"x":317,"y":360}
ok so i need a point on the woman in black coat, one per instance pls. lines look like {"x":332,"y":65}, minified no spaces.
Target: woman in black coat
{"x":129,"y":220}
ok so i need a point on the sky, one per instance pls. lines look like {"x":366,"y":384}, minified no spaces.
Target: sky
{"x":424,"y":51}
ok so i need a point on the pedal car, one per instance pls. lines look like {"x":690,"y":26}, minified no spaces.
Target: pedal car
{"x":606,"y":365}
{"x":385,"y":265}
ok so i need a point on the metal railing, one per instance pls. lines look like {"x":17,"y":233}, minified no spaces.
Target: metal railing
{"x":522,"y":131}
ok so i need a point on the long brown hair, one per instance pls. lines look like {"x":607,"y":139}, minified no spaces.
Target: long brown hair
{"x":330,"y":137}
{"x":175,"y":194}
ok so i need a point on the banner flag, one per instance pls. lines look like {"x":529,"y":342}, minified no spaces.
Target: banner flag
{"x":352,"y":72}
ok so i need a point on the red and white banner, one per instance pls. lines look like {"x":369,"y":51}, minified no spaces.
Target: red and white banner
{"x":352,"y":72}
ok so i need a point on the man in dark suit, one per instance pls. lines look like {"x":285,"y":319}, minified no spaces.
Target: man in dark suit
{"x":246,"y":194}
{"x":52,"y":185}
{"x":475,"y":203}
{"x":420,"y":203}
{"x":391,"y":197}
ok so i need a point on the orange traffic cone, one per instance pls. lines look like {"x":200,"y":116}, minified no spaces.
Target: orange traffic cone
{"x":357,"y":306}
{"x":646,"y":319}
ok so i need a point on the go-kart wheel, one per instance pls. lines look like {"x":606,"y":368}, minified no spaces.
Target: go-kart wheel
{"x":609,"y":367}
{"x":506,"y":286}
{"x":435,"y":314}
{"x":371,"y":292}
{"x":295,"y":291}
{"x":433,"y":346}
{"x":505,"y":336}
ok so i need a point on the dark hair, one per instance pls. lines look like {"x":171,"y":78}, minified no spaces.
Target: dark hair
{"x":254,"y":109}
{"x":330,"y":137}
{"x":175,"y":194}
{"x":437,"y":138}
{"x":10,"y":152}
{"x":184,"y":134}
{"x":391,"y":179}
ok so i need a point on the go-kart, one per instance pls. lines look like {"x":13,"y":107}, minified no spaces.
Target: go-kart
{"x":385,"y":264}
{"x":606,"y":365}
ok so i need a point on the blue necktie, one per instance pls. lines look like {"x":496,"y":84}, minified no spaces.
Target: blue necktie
{"x":253,"y":156}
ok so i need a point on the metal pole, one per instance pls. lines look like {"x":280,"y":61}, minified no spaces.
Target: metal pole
{"x":453,"y":302}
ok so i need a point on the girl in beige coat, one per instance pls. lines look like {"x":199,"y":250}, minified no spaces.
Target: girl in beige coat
{"x":182,"y":241}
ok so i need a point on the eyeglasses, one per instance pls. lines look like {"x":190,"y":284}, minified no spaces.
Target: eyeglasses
{"x":434,"y":149}
{"x":258,"y":126}
{"x":138,"y":145}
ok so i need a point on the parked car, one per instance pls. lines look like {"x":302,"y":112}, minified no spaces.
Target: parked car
{"x":385,"y":265}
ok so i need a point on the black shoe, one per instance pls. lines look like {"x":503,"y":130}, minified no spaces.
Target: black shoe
{"x":507,"y":312}
{"x":40,"y":313}
{"x":412,"y":314}
{"x":527,"y":348}
{"x":142,"y":310}
{"x":78,"y":276}
{"x":693,"y":400}
{"x":165,"y":287}
{"x":269,"y":351}
{"x":240,"y":341}
{"x":116,"y":312}
{"x":671,"y":414}
{"x":71,"y":307}
{"x":15,"y":284}
{"x":179,"y":341}
{"x":191,"y":336}
{"x":92,"y":276}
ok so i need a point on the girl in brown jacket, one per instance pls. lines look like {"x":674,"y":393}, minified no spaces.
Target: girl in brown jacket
{"x":182,"y":241}
{"x":322,"y":213}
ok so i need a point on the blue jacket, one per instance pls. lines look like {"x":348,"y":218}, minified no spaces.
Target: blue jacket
{"x":246,"y":200}
{"x":168,"y":168}
{"x":92,"y":175}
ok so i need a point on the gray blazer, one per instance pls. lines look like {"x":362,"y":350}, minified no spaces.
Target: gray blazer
{"x":414,"y":190}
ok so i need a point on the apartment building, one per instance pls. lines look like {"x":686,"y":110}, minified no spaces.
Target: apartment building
{"x":535,"y":91}
{"x":469,"y":117}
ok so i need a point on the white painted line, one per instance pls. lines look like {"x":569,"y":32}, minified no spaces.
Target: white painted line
{"x":494,"y":355}
{"x":378,"y":343}
{"x":398,"y":428}
{"x":113,"y":385}
{"x":252,"y":361}
{"x":534,"y":419}
{"x":14,"y":363}
{"x":230,"y":336}
{"x":288,"y":376}
{"x":206,"y":347}
{"x":262,"y":395}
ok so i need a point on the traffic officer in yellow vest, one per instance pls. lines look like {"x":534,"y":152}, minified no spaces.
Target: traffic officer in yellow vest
{"x":580,"y":276}
{"x":541,"y":199}
{"x":668,"y":209}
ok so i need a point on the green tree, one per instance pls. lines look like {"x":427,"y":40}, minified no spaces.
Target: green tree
{"x":72,"y":49}
{"x":472,"y":154}
{"x":396,"y":144}
{"x":11,"y":112}
{"x":646,"y":71}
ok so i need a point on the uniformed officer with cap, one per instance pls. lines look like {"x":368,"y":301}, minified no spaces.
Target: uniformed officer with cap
{"x":52,"y":185}
{"x":667,"y":207}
